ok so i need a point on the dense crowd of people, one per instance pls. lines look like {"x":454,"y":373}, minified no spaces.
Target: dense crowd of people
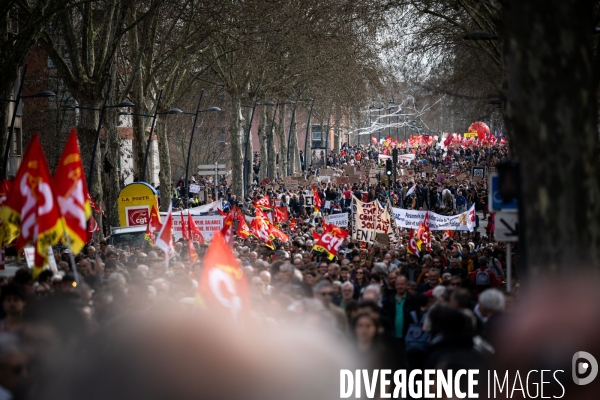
{"x":392,"y":308}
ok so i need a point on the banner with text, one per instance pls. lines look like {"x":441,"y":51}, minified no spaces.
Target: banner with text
{"x":437,"y":222}
{"x":340,"y":220}
{"x":368,"y":219}
{"x":208,"y":225}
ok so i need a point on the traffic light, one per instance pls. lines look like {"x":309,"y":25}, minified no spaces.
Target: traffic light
{"x":388,"y":167}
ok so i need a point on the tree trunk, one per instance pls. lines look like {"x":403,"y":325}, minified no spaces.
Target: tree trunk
{"x":282,"y":142}
{"x":237,"y":156}
{"x":295,"y":150}
{"x":139,"y":128}
{"x":5,"y":93}
{"x":86,"y":129}
{"x":164,"y":174}
{"x":111,"y":158}
{"x":552,"y":112}
{"x":250,"y":154}
{"x":262,"y":139}
{"x":338,"y":131}
{"x":271,"y":147}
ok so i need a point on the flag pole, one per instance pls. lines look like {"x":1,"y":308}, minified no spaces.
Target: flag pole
{"x":72,"y":257}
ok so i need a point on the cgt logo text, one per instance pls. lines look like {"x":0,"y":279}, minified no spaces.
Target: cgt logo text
{"x":461,"y":384}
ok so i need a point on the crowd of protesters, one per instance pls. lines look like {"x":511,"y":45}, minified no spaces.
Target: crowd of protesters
{"x":391,"y":308}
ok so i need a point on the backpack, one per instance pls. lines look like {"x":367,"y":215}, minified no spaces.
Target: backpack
{"x":416,"y":337}
{"x":496,"y":268}
{"x":482,"y":278}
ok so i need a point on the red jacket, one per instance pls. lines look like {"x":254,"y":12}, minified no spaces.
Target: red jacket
{"x":493,"y":280}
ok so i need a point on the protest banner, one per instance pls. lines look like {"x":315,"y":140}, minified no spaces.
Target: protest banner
{"x":340,"y":220}
{"x":437,"y":222}
{"x":364,"y":220}
{"x":207,"y":224}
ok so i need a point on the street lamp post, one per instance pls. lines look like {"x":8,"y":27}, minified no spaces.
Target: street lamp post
{"x":187,"y":163}
{"x":247,"y":138}
{"x":290,"y":136}
{"x":123,"y":104}
{"x":43,"y":93}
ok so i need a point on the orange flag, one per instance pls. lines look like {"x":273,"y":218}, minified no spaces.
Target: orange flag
{"x":72,"y":194}
{"x":223,"y":286}
{"x":31,"y":213}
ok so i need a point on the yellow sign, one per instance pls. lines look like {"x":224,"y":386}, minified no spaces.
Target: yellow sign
{"x":470,"y":134}
{"x":135,"y":201}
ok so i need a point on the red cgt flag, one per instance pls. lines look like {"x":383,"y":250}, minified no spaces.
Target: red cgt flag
{"x":263,"y":204}
{"x":331,"y":240}
{"x":195,"y":233}
{"x":223,"y":286}
{"x":154,"y":225}
{"x":317,"y":199}
{"x":281,"y":214}
{"x":31,"y":212}
{"x":72,"y":194}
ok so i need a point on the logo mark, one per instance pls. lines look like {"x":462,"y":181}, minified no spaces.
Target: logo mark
{"x":581,"y":367}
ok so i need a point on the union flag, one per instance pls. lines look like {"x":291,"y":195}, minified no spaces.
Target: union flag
{"x":72,"y":194}
{"x":31,"y":213}
{"x":281,"y":214}
{"x":263,"y":204}
{"x":223,"y":286}
{"x":331,"y":240}
{"x":317,"y":199}
{"x":154,"y":225}
{"x":195,"y":233}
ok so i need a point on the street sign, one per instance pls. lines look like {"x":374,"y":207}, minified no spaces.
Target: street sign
{"x":506,"y":227}
{"x":495,"y":202}
{"x":211,"y":166}
{"x":212,"y":173}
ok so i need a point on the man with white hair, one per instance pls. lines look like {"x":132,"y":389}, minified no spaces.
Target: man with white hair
{"x":265,"y":276}
{"x":347,"y":294}
{"x":490,"y":310}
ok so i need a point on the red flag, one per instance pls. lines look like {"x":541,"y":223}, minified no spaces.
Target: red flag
{"x":227,"y":230}
{"x":243,"y":229}
{"x":31,"y":213}
{"x":195,"y":233}
{"x":221,"y":213}
{"x":261,"y":230}
{"x":281,"y":214}
{"x":91,"y":229}
{"x":72,"y":194}
{"x":154,"y":225}
{"x":293,"y":225}
{"x":223,"y":285}
{"x":331,"y":240}
{"x":413,"y":243}
{"x":164,"y":239}
{"x":278,"y":234}
{"x":263,"y":204}
{"x":317,"y":199}
{"x":385,"y":152}
{"x":93,"y":204}
{"x":316,"y":236}
{"x":388,"y":141}
{"x":184,"y":228}
{"x":448,"y":140}
{"x":374,"y":140}
{"x":447,"y":234}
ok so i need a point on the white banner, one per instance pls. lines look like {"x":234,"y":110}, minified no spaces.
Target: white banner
{"x":340,"y":220}
{"x":208,"y":224}
{"x":30,"y":258}
{"x":437,"y":222}
{"x":368,"y":220}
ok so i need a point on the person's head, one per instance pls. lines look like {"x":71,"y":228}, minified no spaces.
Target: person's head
{"x":372,"y":293}
{"x":460,"y":298}
{"x":401,"y":285}
{"x":392,"y":278}
{"x":13,"y":299}
{"x":323,"y":267}
{"x":286,"y":273}
{"x":257,"y":285}
{"x":333,"y":270}
{"x":433,"y":277}
{"x":427,"y":260}
{"x":365,"y":327}
{"x":387,"y":259}
{"x":482,"y":261}
{"x":345,"y":273}
{"x":455,"y":282}
{"x":356,"y":262}
{"x":323,"y":291}
{"x":454,"y":262}
{"x":111,"y":255}
{"x":491,"y":301}
{"x":252,"y":257}
{"x":13,"y":362}
{"x":412,"y":287}
{"x":265,"y":276}
{"x":84,"y":267}
{"x":487,"y":253}
{"x":347,"y":291}
{"x":436,"y":262}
